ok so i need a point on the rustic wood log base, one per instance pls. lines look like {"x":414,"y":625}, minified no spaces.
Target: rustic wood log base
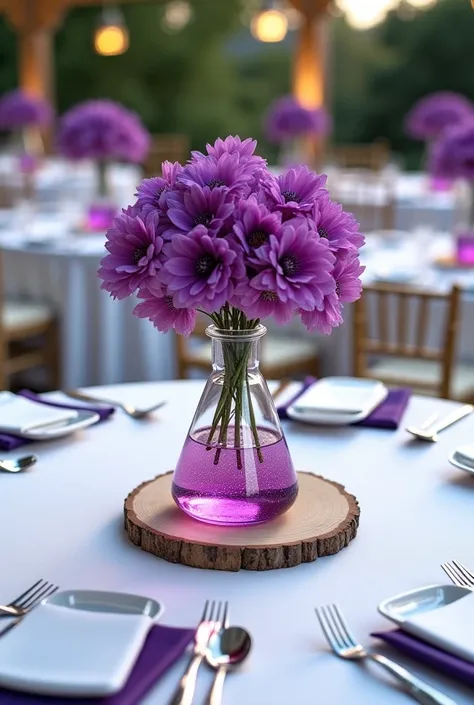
{"x":323,"y":520}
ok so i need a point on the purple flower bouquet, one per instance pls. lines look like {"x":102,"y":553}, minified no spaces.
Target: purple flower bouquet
{"x":288,"y":123}
{"x":431,"y":115}
{"x":223,"y":237}
{"x":102,"y":130}
{"x":19,"y":110}
{"x":452,"y":157}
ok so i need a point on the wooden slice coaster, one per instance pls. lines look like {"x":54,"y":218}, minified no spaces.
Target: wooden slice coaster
{"x":323,"y":520}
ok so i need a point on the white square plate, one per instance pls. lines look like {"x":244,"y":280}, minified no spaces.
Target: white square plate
{"x":77,"y":643}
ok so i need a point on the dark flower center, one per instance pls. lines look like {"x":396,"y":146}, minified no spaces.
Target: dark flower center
{"x":169,"y":302}
{"x":138,"y":254}
{"x":215,"y":182}
{"x":257,"y":238}
{"x":291,"y":196}
{"x":338,"y":289}
{"x":290,"y":265}
{"x":323,"y":233}
{"x":268,"y":296}
{"x":205,"y":264}
{"x":159,"y":191}
{"x":203,"y":218}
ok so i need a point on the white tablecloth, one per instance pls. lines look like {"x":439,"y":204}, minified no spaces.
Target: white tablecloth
{"x":45,"y":258}
{"x":63,"y":521}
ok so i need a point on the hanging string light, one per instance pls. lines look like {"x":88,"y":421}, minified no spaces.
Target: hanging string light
{"x":111,"y":35}
{"x":364,"y":14}
{"x":270,"y":24}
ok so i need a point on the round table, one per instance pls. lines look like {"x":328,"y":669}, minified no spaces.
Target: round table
{"x":63,"y":521}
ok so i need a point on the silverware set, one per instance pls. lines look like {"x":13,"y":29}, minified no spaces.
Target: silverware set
{"x":217,"y":644}
{"x":132,"y":411}
{"x":342,"y":641}
{"x":431,"y":428}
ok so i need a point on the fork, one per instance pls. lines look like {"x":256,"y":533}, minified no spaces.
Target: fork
{"x":210,"y":622}
{"x":28,"y":599}
{"x":343,"y":643}
{"x":130,"y":410}
{"x":458,"y":574}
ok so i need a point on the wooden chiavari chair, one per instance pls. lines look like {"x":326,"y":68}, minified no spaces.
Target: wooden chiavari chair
{"x":281,"y":356}
{"x":374,"y":156}
{"x":29,"y":338}
{"x":393,"y":340}
{"x":369,"y":196}
{"x":172,"y":148}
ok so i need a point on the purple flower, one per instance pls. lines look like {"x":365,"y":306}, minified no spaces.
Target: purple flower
{"x":254,"y":224}
{"x":150,"y":193}
{"x":158,"y":307}
{"x":296,"y":264}
{"x":288,"y":119}
{"x":338,"y":227}
{"x":134,"y":247}
{"x":225,"y":171}
{"x":452,"y":156}
{"x":324,"y":320}
{"x":232,"y":145}
{"x":199,"y":206}
{"x":200,"y":271}
{"x":102,"y":129}
{"x":295,"y":191}
{"x":431,"y":115}
{"x":346,"y":273}
{"x":19,"y":110}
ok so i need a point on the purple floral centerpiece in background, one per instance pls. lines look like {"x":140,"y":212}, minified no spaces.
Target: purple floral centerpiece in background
{"x":431,"y":116}
{"x":23,"y":115}
{"x":222,"y":238}
{"x":452,"y":157}
{"x":103,"y":131}
{"x":288,"y":123}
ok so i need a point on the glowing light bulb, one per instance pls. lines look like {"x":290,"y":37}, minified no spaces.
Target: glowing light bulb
{"x":269,"y":26}
{"x":111,"y":36}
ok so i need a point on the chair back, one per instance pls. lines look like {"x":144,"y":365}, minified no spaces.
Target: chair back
{"x":395,"y":321}
{"x":172,"y":148}
{"x":369,"y":196}
{"x":374,"y":156}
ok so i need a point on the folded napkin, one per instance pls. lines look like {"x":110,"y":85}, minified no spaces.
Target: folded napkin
{"x":11,"y":441}
{"x":163,"y":646}
{"x":441,"y":660}
{"x":20,"y":415}
{"x":387,"y":415}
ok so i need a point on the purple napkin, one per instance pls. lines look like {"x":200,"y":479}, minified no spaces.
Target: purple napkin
{"x":452,"y":665}
{"x":9,"y":441}
{"x":163,"y":646}
{"x":387,"y":415}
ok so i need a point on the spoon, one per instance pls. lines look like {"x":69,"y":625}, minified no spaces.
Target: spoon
{"x":130,"y":410}
{"x":226,"y":650}
{"x":19,"y":464}
{"x":431,"y":433}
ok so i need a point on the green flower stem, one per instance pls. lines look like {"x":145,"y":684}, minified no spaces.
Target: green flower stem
{"x":235,"y":384}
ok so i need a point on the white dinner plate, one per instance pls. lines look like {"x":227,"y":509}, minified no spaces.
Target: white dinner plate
{"x":463,"y":458}
{"x":441,"y":615}
{"x":62,"y":428}
{"x":338,"y":401}
{"x":410,"y":604}
{"x":77,"y":643}
{"x":111,"y":602}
